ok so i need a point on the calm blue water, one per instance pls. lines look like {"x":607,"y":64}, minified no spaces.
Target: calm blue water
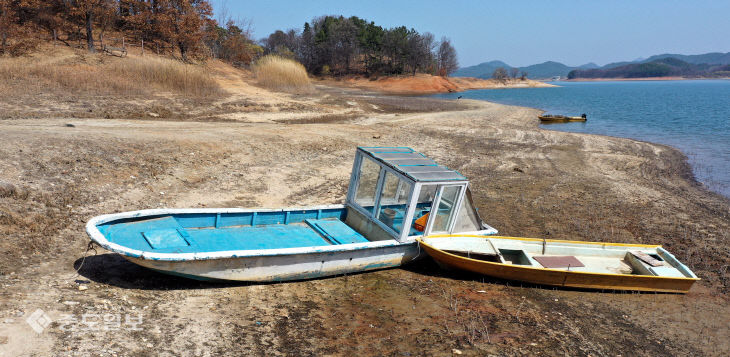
{"x":693,"y":116}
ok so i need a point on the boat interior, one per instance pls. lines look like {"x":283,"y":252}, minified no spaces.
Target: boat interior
{"x":602,"y":258}
{"x":392,"y":193}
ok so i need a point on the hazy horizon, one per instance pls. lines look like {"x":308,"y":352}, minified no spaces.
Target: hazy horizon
{"x":525,"y":32}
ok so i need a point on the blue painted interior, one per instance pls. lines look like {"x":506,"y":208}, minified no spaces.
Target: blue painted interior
{"x":165,"y":238}
{"x":336,"y":231}
{"x":211,"y":232}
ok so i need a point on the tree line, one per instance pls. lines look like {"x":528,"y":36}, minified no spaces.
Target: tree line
{"x":500,"y":74}
{"x":340,"y":45}
{"x":333,"y":45}
{"x":186,"y":26}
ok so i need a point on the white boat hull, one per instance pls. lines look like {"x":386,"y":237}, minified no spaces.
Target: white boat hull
{"x":287,"y":267}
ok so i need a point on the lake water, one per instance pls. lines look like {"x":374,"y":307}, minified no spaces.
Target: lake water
{"x":692,"y":115}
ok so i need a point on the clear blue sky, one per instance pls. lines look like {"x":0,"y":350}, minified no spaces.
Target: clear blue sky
{"x":523,"y":32}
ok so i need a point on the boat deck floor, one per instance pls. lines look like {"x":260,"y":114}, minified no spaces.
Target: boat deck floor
{"x":166,"y":235}
{"x":593,"y":264}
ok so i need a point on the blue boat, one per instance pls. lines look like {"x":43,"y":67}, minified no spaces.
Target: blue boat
{"x":395,"y":196}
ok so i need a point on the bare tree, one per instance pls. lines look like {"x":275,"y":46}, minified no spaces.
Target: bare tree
{"x":446,"y":58}
{"x":514,"y":72}
{"x":523,"y":76}
{"x":500,"y":74}
{"x":86,"y":11}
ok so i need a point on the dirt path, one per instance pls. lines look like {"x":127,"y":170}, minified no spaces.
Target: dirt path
{"x":527,"y":182}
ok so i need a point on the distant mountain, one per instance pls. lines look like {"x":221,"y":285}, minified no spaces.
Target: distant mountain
{"x":480,"y":70}
{"x":542,"y":70}
{"x":707,"y":58}
{"x":617,"y":64}
{"x":551,"y":69}
{"x":660,"y":67}
{"x":547,"y":69}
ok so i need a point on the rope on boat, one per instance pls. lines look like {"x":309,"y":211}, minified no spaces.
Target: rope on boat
{"x":89,"y":247}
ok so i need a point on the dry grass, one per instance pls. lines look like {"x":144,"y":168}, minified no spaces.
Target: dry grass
{"x":99,"y":74}
{"x":282,"y":74}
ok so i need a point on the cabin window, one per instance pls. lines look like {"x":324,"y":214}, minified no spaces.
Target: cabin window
{"x":393,"y":201}
{"x":423,"y":206}
{"x":446,"y":209}
{"x":367,"y":184}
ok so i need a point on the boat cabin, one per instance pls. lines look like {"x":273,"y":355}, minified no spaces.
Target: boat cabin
{"x":399,"y":193}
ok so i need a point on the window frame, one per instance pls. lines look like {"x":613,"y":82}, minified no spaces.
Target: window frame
{"x":354,"y":181}
{"x":455,"y":208}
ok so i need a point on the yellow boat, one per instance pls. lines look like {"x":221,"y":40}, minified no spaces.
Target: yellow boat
{"x":549,"y":118}
{"x":575,"y":264}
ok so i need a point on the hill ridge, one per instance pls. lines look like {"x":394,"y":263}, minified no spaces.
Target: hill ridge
{"x":550,"y":69}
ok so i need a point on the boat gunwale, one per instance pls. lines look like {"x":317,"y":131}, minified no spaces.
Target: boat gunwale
{"x":96,"y":236}
{"x":530,"y":268}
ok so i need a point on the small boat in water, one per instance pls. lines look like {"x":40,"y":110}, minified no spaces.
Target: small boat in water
{"x":549,"y":118}
{"x":390,"y":189}
{"x":588,"y":265}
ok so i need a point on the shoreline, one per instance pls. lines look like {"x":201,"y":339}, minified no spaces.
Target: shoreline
{"x":642,"y":79}
{"x":424,"y":84}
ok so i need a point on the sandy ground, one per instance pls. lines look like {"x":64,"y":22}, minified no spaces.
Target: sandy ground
{"x":64,"y":159}
{"x":428,"y":84}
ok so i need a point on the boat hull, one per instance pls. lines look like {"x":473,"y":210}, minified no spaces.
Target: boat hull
{"x":561,"y":120}
{"x":286,"y":267}
{"x":267,"y":264}
{"x":561,"y":278}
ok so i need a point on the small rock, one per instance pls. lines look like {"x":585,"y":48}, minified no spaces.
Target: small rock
{"x":149,"y":345}
{"x":71,"y":302}
{"x":69,"y":125}
{"x":518,"y":169}
{"x":7,"y":189}
{"x":83,"y":287}
{"x":8,"y":321}
{"x":481,"y":291}
{"x":456,"y":352}
{"x":154,"y":115}
{"x":377,"y":136}
{"x":3,"y":340}
{"x":533,"y":344}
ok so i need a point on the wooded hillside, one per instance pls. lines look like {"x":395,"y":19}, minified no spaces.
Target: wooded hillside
{"x":329,"y":45}
{"x":339,"y":45}
{"x":179,"y":27}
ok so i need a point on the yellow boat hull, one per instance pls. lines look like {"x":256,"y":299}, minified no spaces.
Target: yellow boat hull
{"x":561,"y":278}
{"x":561,"y":119}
